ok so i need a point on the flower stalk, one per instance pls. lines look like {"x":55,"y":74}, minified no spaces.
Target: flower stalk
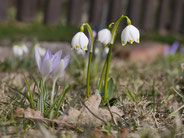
{"x":90,"y":54}
{"x":108,"y":58}
{"x":52,"y":97}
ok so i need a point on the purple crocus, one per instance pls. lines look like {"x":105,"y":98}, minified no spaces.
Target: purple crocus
{"x":60,"y":67}
{"x":94,"y":35}
{"x":50,"y":64}
{"x":172,"y":49}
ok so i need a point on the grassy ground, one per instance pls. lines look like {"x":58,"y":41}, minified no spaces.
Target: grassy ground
{"x":149,"y":95}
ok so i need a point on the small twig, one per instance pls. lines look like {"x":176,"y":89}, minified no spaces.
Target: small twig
{"x":113,"y":120}
{"x":93,"y":113}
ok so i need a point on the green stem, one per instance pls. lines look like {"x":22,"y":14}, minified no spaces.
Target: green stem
{"x":114,"y":32}
{"x":107,"y":72}
{"x":90,"y":54}
{"x":52,"y":97}
{"x":102,"y":75}
{"x":88,"y":73}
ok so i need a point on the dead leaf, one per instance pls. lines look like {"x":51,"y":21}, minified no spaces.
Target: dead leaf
{"x":84,"y":116}
{"x":123,"y":133}
{"x":28,"y":113}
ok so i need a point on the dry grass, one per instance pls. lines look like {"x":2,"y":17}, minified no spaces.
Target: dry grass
{"x":145,"y":113}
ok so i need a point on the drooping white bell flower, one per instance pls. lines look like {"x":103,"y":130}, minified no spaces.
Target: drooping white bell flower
{"x":130,"y":34}
{"x":20,"y":50}
{"x":104,"y":36}
{"x":80,"y":41}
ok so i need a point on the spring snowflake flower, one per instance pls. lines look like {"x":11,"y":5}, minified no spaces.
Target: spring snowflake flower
{"x":130,"y":34}
{"x":80,"y":41}
{"x":20,"y":50}
{"x":40,"y":49}
{"x":104,"y":36}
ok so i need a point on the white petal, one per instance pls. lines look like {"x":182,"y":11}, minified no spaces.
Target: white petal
{"x":104,"y":36}
{"x":124,"y":37}
{"x":75,"y":41}
{"x":83,"y":41}
{"x":134,"y":33}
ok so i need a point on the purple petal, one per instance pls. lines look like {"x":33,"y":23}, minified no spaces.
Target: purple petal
{"x":94,"y":34}
{"x":47,"y":55}
{"x":56,"y":59}
{"x":174,"y":47}
{"x":37,"y":57}
{"x":66,"y":61}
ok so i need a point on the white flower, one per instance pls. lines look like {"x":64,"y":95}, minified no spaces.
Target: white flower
{"x":104,"y":36}
{"x":80,"y":52}
{"x":20,"y":50}
{"x":40,"y":49}
{"x":130,"y":34}
{"x":80,"y":41}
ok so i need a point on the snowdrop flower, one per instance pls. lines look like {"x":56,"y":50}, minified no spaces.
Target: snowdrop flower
{"x":20,"y":50}
{"x":40,"y":49}
{"x":80,"y":41}
{"x":104,"y":36}
{"x":130,"y":34}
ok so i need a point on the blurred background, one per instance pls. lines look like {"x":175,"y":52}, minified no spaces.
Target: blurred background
{"x":58,"y":20}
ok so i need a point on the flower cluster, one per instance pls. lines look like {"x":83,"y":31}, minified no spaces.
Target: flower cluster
{"x":129,"y":34}
{"x":106,"y":36}
{"x":51,"y":64}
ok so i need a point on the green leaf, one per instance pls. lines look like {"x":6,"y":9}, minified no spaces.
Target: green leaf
{"x":129,"y":95}
{"x":29,"y":93}
{"x":110,"y":87}
{"x":58,"y":101}
{"x":61,"y":99}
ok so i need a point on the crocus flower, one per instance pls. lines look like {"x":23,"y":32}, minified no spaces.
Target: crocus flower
{"x":130,"y":34}
{"x":94,"y":35}
{"x":20,"y":50}
{"x":104,"y":36}
{"x":172,"y":49}
{"x":45,"y":64}
{"x":51,"y":64}
{"x":80,"y":41}
{"x":60,"y":67}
